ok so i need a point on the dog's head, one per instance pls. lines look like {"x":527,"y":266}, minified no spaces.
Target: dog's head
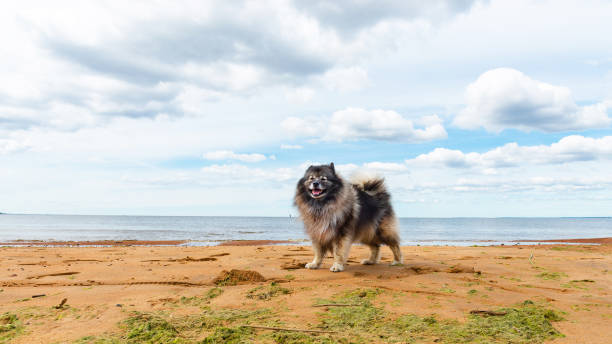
{"x":320,"y":182}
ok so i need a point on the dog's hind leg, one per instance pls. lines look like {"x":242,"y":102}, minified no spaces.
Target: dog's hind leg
{"x":374,"y":255}
{"x":397,"y":254}
{"x":341,"y":251}
{"x":389,"y":236}
{"x":318,"y":256}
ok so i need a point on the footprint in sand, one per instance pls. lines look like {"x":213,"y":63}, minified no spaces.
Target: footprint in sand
{"x":68,"y":273}
{"x":219,"y":254}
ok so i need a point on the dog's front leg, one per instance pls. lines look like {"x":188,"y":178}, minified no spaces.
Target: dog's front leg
{"x":318,"y":256}
{"x":341,"y":251}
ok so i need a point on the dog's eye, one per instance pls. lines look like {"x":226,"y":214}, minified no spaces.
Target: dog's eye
{"x":323,"y":178}
{"x":310,"y":178}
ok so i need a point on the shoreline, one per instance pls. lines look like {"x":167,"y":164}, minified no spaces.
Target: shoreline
{"x":116,"y":243}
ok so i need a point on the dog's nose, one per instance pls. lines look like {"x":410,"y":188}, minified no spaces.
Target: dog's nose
{"x":315,"y":184}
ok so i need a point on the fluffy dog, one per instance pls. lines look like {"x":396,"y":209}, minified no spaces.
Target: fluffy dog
{"x":337,"y":213}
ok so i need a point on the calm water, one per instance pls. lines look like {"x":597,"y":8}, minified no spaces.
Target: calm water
{"x":209,"y":230}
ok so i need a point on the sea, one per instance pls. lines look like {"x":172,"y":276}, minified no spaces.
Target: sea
{"x":211,"y":230}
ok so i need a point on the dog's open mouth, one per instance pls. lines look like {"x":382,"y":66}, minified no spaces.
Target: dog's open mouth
{"x":316,"y":192}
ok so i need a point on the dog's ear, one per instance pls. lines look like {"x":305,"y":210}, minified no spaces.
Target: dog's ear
{"x":332,"y":167}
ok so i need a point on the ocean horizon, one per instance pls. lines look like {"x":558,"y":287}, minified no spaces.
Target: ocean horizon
{"x":211,"y":230}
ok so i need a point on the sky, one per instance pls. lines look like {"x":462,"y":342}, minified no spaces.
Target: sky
{"x":467,"y":108}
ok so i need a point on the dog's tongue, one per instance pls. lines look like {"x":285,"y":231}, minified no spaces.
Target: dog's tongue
{"x":316,"y":192}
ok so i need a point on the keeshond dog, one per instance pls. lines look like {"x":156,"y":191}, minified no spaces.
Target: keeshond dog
{"x":337,"y":213}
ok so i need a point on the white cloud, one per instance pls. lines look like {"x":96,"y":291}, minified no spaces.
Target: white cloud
{"x":360,"y":124}
{"x":8,"y":146}
{"x":535,"y":183}
{"x":242,"y":173}
{"x":230,"y":155}
{"x":231,"y":76}
{"x":299,"y":95}
{"x":569,"y":149}
{"x":446,"y":157}
{"x":286,"y":146}
{"x":505,"y":98}
{"x":219,"y":175}
{"x":386,"y":167}
{"x":345,"y":79}
{"x":214,"y":49}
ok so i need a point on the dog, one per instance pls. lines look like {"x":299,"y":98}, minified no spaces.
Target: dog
{"x":337,"y":213}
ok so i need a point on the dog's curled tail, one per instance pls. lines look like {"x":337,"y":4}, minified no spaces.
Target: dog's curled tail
{"x":368,"y":183}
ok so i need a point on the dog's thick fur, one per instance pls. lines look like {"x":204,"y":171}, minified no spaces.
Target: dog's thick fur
{"x":337,"y":213}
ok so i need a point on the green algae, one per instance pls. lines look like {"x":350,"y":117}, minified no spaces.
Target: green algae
{"x":357,"y":318}
{"x":267,"y":293}
{"x":10,"y":327}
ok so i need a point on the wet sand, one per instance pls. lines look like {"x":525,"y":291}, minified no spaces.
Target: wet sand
{"x":103,"y":285}
{"x":575,"y":241}
{"x":95,"y":243}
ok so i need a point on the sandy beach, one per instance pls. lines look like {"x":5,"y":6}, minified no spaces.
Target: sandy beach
{"x":130,"y":293}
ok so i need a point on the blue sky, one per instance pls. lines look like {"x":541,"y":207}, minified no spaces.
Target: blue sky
{"x":468,"y":108}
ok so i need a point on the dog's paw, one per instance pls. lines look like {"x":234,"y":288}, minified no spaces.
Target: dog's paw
{"x":396,"y":263}
{"x":312,"y":265}
{"x":336,"y":267}
{"x":368,"y":262}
